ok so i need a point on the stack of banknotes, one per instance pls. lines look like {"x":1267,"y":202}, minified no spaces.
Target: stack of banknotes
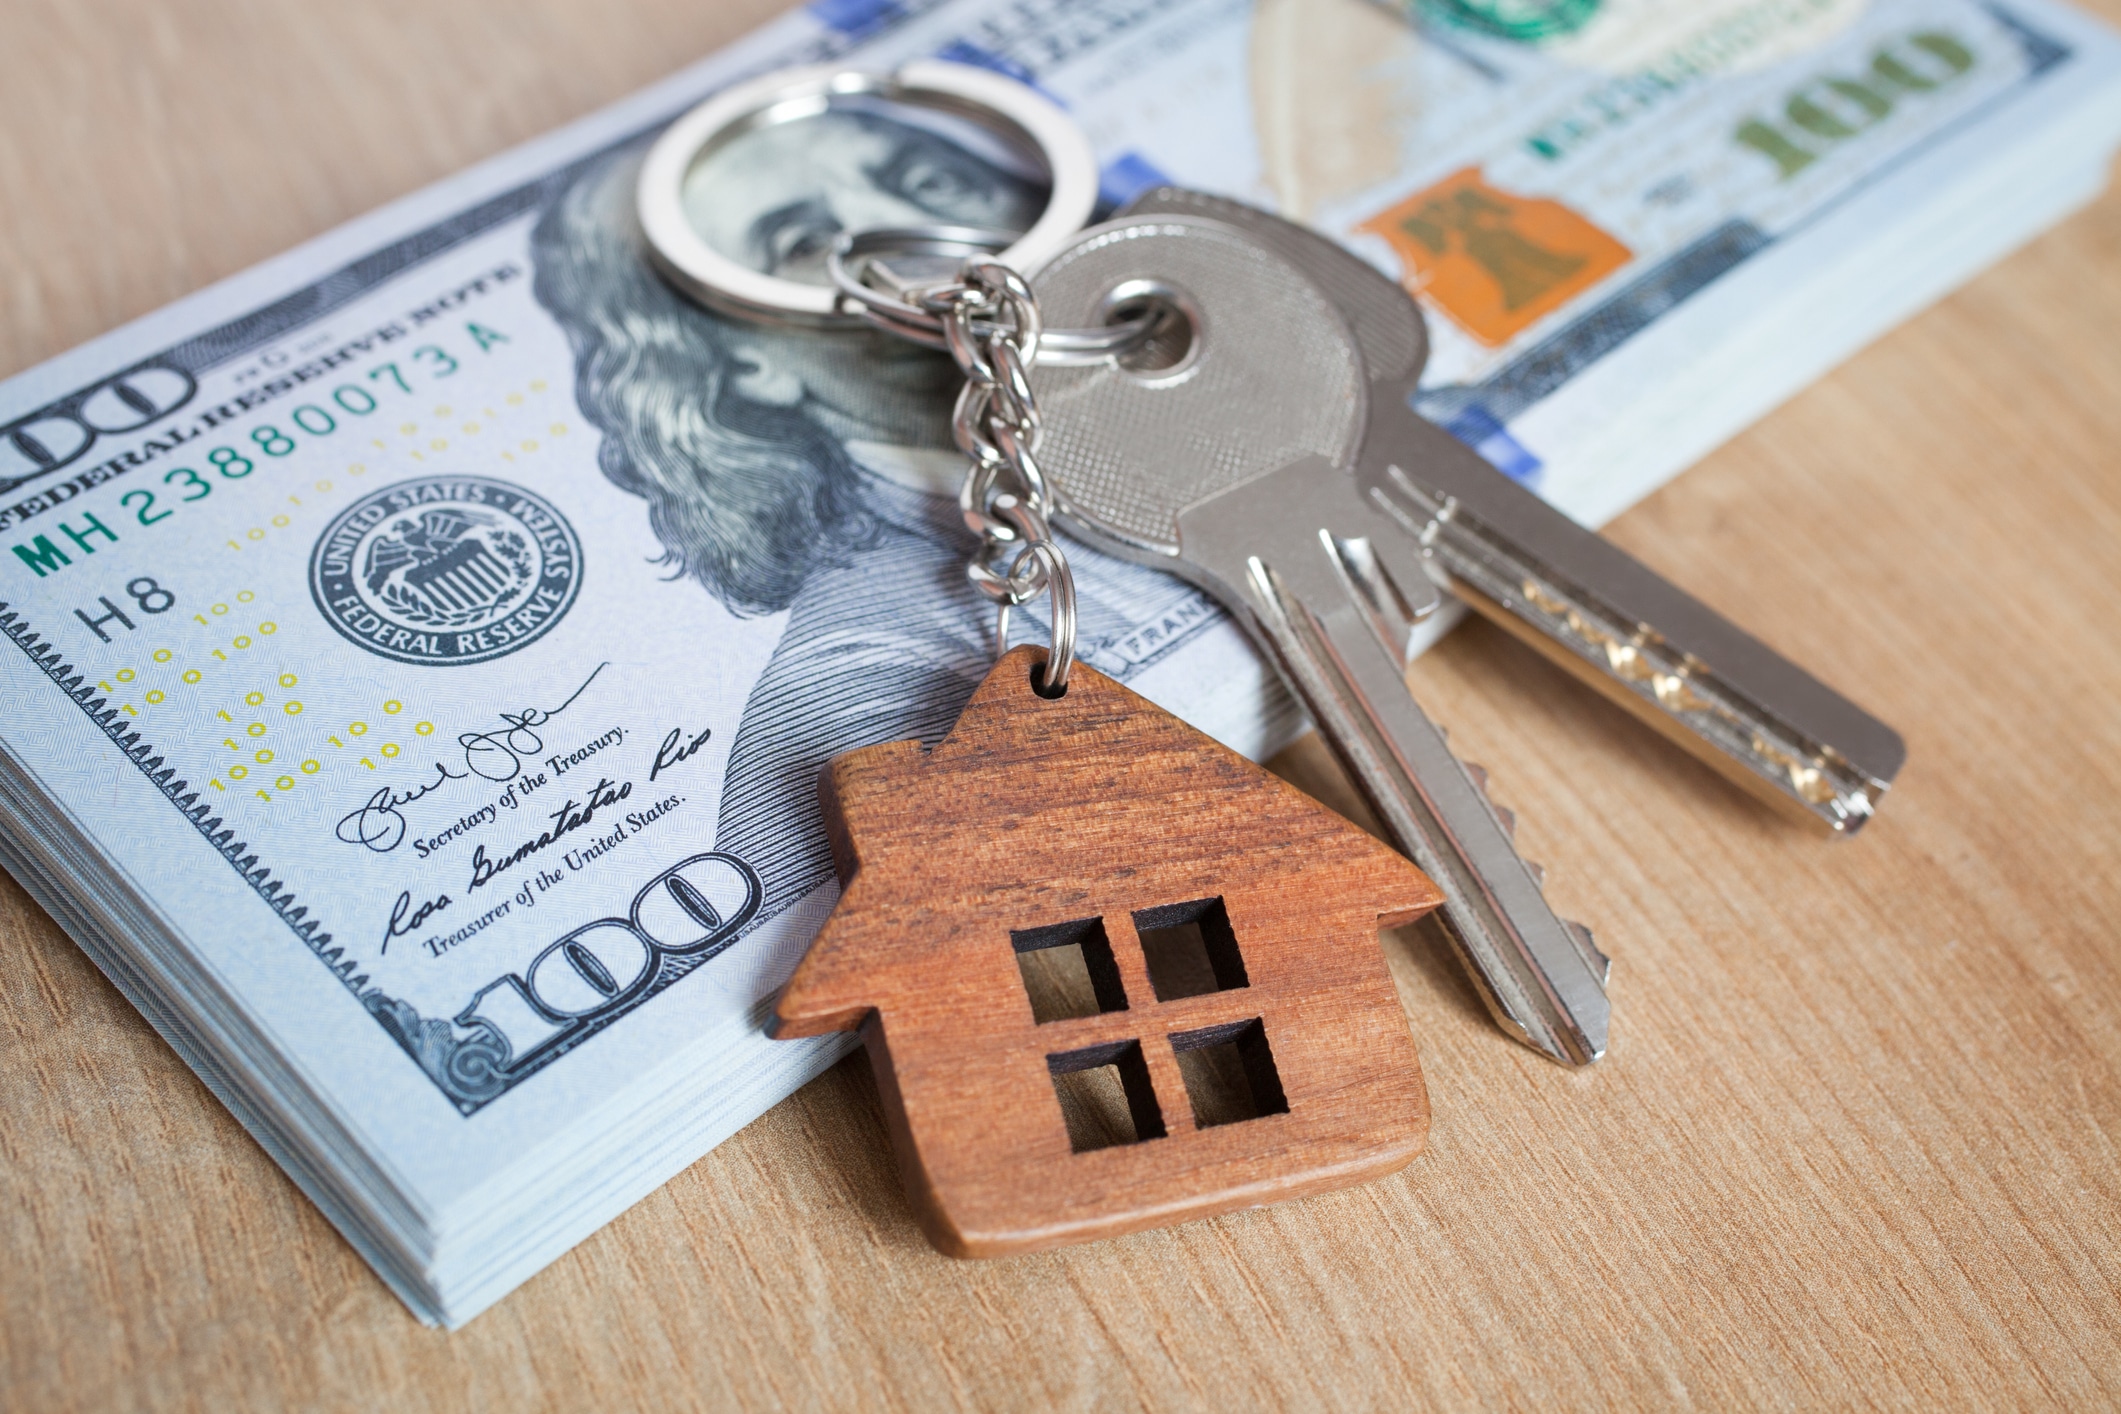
{"x":420,"y":649}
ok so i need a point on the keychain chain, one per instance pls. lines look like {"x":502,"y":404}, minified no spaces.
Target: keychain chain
{"x":988,"y":320}
{"x":991,"y":324}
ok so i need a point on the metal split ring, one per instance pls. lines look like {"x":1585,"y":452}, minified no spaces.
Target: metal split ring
{"x":985,"y":315}
{"x":1038,"y":568}
{"x":1013,"y":112}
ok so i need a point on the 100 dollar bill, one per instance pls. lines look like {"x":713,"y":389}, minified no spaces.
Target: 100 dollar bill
{"x":380,"y":618}
{"x":441,"y":628}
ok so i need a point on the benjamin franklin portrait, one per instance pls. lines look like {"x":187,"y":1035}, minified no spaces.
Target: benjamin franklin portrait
{"x":798,"y":470}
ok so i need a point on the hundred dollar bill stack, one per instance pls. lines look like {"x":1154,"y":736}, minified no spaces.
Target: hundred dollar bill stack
{"x":421,"y":648}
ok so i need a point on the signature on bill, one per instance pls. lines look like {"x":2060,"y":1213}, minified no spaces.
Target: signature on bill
{"x":378,"y":823}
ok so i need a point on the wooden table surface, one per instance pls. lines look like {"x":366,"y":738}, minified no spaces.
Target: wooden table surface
{"x":1856,"y":1140}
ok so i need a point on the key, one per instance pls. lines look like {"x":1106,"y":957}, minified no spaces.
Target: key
{"x":1690,"y":673}
{"x":1221,"y":451}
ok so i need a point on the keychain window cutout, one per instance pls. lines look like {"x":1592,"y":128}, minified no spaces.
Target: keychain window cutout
{"x":1105,"y":1096}
{"x":1229,"y":1073}
{"x":1190,"y":949}
{"x":1068,"y":970}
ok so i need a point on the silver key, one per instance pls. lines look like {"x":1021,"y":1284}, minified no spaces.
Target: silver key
{"x":1226,"y":461}
{"x":1688,"y":671}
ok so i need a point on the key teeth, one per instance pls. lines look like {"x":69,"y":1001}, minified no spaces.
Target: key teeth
{"x":1504,"y":816}
{"x":1601,"y":966}
{"x":1597,"y":961}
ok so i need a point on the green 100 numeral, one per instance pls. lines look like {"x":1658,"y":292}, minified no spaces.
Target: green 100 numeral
{"x":1833,"y":109}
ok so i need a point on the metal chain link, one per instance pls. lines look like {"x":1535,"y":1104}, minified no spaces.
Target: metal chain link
{"x":992,"y":326}
{"x":989,"y":321}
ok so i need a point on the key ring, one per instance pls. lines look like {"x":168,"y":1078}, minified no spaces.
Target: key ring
{"x":1011,"y":111}
{"x":984,"y":315}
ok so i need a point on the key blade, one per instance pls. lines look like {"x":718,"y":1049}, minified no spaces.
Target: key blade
{"x":1589,"y":606}
{"x":1687,"y":671}
{"x":1268,"y":545}
{"x":1253,"y":432}
{"x":1523,"y":958}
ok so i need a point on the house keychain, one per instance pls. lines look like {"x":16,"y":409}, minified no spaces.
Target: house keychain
{"x":1232,"y":1037}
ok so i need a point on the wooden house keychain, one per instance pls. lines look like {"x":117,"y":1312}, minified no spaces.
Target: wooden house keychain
{"x":1231,"y":1036}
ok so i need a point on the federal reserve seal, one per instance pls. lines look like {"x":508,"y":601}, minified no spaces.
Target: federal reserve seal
{"x":446,"y":569}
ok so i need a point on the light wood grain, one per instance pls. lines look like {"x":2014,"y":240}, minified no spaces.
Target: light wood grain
{"x":1856,"y":1140}
{"x":1097,"y":817}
